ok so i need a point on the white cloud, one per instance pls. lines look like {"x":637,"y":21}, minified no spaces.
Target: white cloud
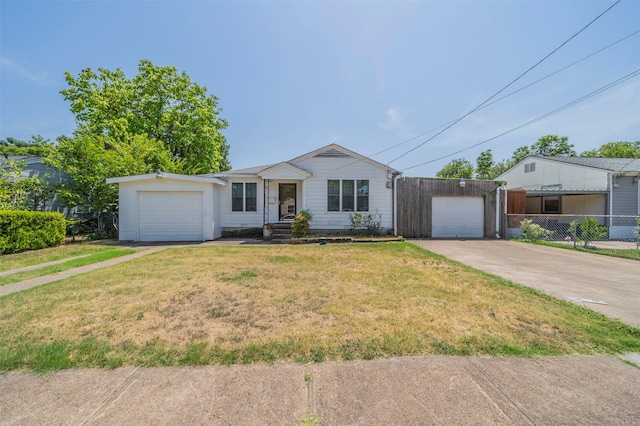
{"x":8,"y":64}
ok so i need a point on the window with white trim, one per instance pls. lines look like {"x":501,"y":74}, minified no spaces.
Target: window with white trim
{"x":530,"y":167}
{"x":348,"y":195}
{"x":244,"y":197}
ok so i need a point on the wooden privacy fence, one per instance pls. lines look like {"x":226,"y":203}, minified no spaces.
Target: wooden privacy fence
{"x":415,"y":203}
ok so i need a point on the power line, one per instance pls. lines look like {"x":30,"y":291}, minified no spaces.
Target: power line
{"x":555,"y":111}
{"x":514,"y":92}
{"x":505,"y":87}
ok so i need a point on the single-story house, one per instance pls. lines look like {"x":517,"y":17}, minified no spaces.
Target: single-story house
{"x":34,"y":166}
{"x":332,"y":183}
{"x":578,"y":186}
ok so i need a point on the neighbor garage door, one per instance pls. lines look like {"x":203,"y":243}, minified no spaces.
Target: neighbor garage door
{"x":170,"y":216}
{"x":457,"y":217}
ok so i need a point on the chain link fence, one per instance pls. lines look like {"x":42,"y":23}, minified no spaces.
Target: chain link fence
{"x":590,"y":228}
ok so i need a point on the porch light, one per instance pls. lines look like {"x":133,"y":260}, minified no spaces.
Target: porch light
{"x":462,"y":183}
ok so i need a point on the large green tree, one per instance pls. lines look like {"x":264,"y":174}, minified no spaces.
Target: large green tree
{"x":37,"y":146}
{"x":552,"y":146}
{"x":458,"y":168}
{"x":615,"y":150}
{"x":159,"y":103}
{"x":90,"y":159}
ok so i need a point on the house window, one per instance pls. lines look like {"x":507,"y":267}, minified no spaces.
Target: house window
{"x":363,"y":195}
{"x":530,"y":167}
{"x":551,"y":204}
{"x":244,"y":197}
{"x":347,"y":195}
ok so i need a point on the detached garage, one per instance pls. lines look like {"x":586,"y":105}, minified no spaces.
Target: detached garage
{"x":457,"y":217}
{"x":168,"y":207}
{"x":446,"y":208}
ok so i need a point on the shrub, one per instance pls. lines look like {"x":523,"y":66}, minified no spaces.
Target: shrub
{"x":371,"y":223}
{"x":300,"y":225}
{"x":589,"y":230}
{"x":25,"y":230}
{"x":533,"y":231}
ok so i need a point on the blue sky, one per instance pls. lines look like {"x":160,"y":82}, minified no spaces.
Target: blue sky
{"x":292,"y":76}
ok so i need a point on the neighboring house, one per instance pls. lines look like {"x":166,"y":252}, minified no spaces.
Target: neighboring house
{"x":331,"y":182}
{"x":35,"y":167}
{"x":579,"y":186}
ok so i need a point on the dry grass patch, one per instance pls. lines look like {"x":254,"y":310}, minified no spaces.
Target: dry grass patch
{"x":292,"y":303}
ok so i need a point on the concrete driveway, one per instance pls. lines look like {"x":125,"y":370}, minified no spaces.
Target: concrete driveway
{"x":565,"y":274}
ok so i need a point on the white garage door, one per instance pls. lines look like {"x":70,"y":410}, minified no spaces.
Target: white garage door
{"x":457,"y":217}
{"x":170,"y":216}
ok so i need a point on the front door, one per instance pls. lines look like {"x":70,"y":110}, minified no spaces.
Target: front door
{"x":287,"y":201}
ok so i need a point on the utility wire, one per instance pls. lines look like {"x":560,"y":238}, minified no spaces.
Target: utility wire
{"x":505,"y":87}
{"x":514,"y":92}
{"x":555,"y":111}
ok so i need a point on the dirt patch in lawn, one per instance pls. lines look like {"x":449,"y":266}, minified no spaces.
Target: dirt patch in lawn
{"x":301,"y":302}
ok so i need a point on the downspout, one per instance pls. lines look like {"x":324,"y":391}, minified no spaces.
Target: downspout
{"x":394,"y":213}
{"x":498,"y":212}
{"x":610,"y":196}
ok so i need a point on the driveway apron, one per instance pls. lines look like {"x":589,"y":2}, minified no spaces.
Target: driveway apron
{"x":605,"y":284}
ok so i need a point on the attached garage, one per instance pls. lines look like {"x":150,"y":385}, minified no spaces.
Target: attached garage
{"x":170,"y":216}
{"x":168,"y":207}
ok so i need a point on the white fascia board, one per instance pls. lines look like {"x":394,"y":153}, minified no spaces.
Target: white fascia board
{"x":272,"y":172}
{"x":164,"y":175}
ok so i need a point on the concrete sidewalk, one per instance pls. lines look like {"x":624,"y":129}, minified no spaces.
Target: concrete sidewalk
{"x":144,"y":249}
{"x":34,"y":282}
{"x":439,"y":390}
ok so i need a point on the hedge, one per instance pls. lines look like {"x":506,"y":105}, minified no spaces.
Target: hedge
{"x":25,"y":230}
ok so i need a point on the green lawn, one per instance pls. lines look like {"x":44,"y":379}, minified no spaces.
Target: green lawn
{"x":304,"y":303}
{"x":108,"y":253}
{"x":35,"y":257}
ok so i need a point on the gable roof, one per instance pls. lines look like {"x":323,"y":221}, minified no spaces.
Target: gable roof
{"x":336,"y":151}
{"x":330,"y":151}
{"x":611,"y":164}
{"x":288,"y":170}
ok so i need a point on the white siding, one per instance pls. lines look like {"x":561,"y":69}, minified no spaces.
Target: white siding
{"x":231,"y":219}
{"x":129,"y":208}
{"x":548,"y":172}
{"x":340,"y":168}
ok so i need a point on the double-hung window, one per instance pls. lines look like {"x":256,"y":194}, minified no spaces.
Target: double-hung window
{"x":244,"y":197}
{"x":347,"y":195}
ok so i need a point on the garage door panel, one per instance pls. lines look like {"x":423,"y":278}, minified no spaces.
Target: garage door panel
{"x":457,"y":217}
{"x":170,"y":215}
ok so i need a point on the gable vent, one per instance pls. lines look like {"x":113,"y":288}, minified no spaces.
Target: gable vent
{"x":333,"y":153}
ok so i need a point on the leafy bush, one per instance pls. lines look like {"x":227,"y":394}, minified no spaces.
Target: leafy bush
{"x":371,"y":223}
{"x":25,"y":230}
{"x":533,"y":231}
{"x":589,"y":230}
{"x":300,"y":225}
